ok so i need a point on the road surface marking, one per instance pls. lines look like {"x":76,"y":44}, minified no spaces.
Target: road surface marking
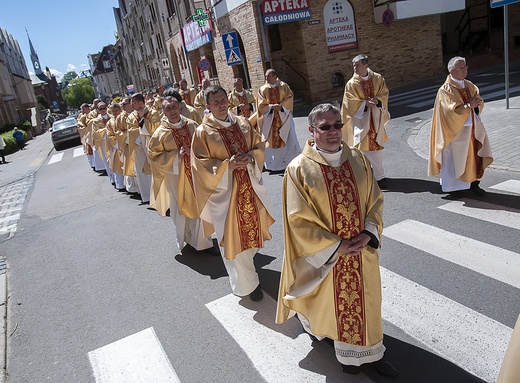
{"x":278,"y":352}
{"x":484,"y":211}
{"x":492,"y":261}
{"x":138,"y":358}
{"x":55,"y":158}
{"x":512,"y":186}
{"x":455,"y":332}
{"x":78,"y":152}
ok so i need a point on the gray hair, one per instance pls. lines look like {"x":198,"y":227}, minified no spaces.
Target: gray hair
{"x":363,"y":58}
{"x":319,"y":110}
{"x":454,"y":61}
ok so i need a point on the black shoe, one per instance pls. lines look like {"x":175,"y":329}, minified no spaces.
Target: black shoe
{"x":455,"y":195}
{"x":353,"y":370}
{"x":384,"y":367}
{"x":257,"y":294}
{"x":382,"y":183}
{"x":475,"y":188}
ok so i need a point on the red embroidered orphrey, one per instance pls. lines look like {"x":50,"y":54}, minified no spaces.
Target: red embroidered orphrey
{"x":347,"y":272}
{"x":243,"y":100}
{"x":368,"y":91}
{"x":182,"y":137}
{"x":247,"y":211}
{"x":276,"y":125}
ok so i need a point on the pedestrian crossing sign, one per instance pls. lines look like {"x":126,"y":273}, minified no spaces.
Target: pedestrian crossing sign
{"x":233,"y":56}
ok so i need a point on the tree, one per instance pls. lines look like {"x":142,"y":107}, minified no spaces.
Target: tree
{"x":42,"y":102}
{"x":79,"y":91}
{"x":69,"y":76}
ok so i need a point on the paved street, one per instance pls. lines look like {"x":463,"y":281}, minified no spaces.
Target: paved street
{"x":97,"y":288}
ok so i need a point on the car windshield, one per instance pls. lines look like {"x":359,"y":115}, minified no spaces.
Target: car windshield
{"x":64,"y":124}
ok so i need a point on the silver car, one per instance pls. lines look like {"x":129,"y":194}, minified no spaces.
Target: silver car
{"x":63,"y":131}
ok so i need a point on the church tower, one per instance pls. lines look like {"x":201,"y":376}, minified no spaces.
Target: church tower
{"x":36,"y":62}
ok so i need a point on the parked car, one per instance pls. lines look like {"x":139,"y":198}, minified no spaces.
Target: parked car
{"x":63,"y":131}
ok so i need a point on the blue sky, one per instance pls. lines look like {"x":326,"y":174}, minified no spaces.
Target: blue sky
{"x":63,"y":32}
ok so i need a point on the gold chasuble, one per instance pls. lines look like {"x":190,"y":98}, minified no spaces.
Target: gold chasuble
{"x":123,"y":144}
{"x":268,"y":95}
{"x":323,"y":205}
{"x":247,"y":219}
{"x":450,"y":115}
{"x":235,"y":99}
{"x":98,"y":133}
{"x":163,"y":148}
{"x":370,"y":128}
{"x":114,"y":158}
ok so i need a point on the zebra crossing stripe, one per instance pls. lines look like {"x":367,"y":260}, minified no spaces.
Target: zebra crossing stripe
{"x":485,"y":211}
{"x":138,"y":358}
{"x":55,"y":158}
{"x":276,"y":351}
{"x":457,"y":333}
{"x":512,"y":186}
{"x":78,"y":152}
{"x":492,"y":261}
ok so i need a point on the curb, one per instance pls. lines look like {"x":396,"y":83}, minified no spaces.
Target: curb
{"x":3,"y":331}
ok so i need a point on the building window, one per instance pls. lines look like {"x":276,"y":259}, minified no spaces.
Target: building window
{"x":106,"y":64}
{"x":170,"y":6}
{"x":274,"y":37}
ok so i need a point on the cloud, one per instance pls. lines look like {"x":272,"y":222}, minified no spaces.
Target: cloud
{"x":57,"y":74}
{"x":84,"y":66}
{"x":71,"y":67}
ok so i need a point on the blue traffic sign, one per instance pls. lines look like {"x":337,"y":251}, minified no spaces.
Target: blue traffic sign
{"x":500,"y":3}
{"x":233,"y":56}
{"x":230,"y":40}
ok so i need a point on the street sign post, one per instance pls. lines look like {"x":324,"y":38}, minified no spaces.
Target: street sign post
{"x":231,"y":48}
{"x":504,"y":3}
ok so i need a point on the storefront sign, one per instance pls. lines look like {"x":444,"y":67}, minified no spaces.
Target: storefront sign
{"x":195,"y":36}
{"x":340,"y":26}
{"x":285,"y":11}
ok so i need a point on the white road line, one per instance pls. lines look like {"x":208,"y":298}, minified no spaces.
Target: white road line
{"x":512,"y":186}
{"x":277,"y":351}
{"x":486,"y":259}
{"x":55,"y":158}
{"x":138,"y":358}
{"x":455,"y":332}
{"x":485,"y":211}
{"x":78,"y":152}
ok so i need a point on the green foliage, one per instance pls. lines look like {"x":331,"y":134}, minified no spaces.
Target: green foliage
{"x":10,"y":143}
{"x":69,"y":76}
{"x":42,"y":102}
{"x":80,"y":90}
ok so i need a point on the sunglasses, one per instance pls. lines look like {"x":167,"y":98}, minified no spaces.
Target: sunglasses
{"x":324,"y":128}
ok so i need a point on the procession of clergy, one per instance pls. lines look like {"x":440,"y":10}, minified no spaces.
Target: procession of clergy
{"x":201,"y":155}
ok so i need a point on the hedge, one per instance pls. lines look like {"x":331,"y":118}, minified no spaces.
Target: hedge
{"x":10,"y":142}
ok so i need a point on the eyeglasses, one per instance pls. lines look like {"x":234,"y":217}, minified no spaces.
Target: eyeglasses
{"x":102,"y":108}
{"x":326,"y":127}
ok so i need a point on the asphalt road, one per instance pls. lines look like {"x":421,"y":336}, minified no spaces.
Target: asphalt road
{"x":90,"y":267}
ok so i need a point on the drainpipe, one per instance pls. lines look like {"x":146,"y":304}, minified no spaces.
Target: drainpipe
{"x":262,"y":34}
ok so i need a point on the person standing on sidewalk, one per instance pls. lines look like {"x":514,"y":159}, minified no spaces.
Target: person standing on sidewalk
{"x":459,"y":145}
{"x":20,"y":139}
{"x":2,"y":147}
{"x":365,"y":114}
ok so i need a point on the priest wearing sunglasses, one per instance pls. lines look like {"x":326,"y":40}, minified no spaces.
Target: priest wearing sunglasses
{"x":333,"y":220}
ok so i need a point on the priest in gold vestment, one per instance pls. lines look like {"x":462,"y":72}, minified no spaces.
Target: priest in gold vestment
{"x":274,"y":104}
{"x":333,"y":220}
{"x":459,"y":145}
{"x":124,"y":147}
{"x":169,"y":152}
{"x":188,"y":94}
{"x":241,"y":101}
{"x":113,"y":155}
{"x":99,"y":137}
{"x":227,"y":158}
{"x":365,"y":114}
{"x":200,"y":103}
{"x":84,"y":133}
